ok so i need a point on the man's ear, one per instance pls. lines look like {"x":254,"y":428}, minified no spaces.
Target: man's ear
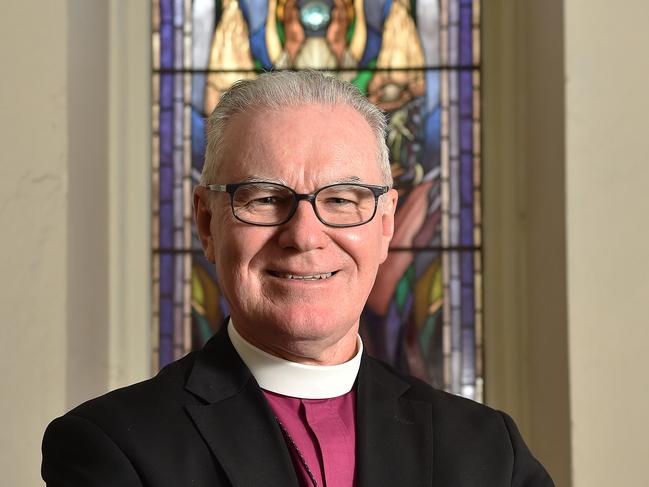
{"x":389,"y":206}
{"x":203,"y":219}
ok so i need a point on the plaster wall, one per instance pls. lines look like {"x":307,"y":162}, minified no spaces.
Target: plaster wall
{"x":525,"y":287}
{"x":74,"y":213}
{"x":34,"y":183}
{"x":607,"y":176}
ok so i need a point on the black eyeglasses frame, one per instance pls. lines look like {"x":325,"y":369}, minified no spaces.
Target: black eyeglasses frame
{"x":231,"y":188}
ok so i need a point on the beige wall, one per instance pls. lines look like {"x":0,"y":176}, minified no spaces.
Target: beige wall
{"x":33,"y":217}
{"x":566,"y":272}
{"x":74,"y":301}
{"x":87,"y":200}
{"x":525,"y":287}
{"x":607,"y":180}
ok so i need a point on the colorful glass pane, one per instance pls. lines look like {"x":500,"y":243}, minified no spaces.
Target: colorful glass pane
{"x":419,"y":60}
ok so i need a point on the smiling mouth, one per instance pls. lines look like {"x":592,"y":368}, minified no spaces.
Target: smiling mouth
{"x":303,"y":277}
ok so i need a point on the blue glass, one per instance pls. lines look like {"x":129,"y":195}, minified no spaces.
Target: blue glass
{"x":315,"y":15}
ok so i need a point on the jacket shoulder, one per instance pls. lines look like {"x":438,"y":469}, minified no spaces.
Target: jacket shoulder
{"x":147,"y":399}
{"x":137,"y":435}
{"x":450,"y":411}
{"x":472,"y":439}
{"x":422,"y":391}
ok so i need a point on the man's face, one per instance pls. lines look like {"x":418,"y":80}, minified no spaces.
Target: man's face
{"x":305,"y":148}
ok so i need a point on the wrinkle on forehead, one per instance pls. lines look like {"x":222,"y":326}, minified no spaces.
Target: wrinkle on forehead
{"x":270,"y":179}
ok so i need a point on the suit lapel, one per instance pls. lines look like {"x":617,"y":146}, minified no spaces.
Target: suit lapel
{"x":394,"y":434}
{"x":235,"y":420}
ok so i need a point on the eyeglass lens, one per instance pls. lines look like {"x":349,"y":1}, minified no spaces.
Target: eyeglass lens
{"x":268,"y":203}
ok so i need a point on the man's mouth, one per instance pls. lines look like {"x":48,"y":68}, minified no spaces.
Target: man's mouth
{"x":303,"y":277}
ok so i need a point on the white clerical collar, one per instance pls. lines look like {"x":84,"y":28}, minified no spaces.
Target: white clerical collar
{"x":277,"y":375}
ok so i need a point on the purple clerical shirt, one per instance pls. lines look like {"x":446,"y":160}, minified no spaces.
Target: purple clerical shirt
{"x":324,"y":430}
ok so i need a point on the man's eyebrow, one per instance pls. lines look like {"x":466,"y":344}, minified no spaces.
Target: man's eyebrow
{"x":263,"y":179}
{"x":348,"y":179}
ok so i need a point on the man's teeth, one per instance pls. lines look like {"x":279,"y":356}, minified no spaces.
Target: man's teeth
{"x":312,"y":277}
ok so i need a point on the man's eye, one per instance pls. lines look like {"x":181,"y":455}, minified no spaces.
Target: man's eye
{"x":339,"y":202}
{"x":265,"y":200}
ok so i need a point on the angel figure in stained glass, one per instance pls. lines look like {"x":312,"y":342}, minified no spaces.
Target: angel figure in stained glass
{"x":230,"y":51}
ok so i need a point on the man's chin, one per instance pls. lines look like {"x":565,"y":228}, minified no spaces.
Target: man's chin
{"x":311,"y":325}
{"x":299,"y":324}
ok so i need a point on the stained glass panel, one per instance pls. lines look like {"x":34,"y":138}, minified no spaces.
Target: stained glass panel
{"x":419,"y":60}
{"x":424,"y":319}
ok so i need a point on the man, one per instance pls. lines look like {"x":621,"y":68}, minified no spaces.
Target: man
{"x":296,"y":211}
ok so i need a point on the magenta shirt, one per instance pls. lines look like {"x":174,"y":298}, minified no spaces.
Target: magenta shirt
{"x":325,"y":432}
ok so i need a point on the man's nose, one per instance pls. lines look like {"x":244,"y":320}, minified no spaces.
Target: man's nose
{"x":304,"y":231}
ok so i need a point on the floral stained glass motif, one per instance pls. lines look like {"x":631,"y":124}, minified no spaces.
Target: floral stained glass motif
{"x":419,"y":60}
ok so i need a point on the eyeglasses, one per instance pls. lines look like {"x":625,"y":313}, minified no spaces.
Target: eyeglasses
{"x":270,"y":204}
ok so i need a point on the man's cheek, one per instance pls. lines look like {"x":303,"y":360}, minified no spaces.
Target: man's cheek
{"x":353,"y":236}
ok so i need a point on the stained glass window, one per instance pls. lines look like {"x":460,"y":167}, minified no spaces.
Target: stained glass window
{"x":419,"y":60}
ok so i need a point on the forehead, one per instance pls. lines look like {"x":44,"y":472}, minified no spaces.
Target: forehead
{"x":310,"y":145}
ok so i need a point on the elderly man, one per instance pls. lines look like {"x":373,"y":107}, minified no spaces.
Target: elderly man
{"x":296,"y":210}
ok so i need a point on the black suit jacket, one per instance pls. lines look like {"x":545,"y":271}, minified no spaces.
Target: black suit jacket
{"x":203,"y":421}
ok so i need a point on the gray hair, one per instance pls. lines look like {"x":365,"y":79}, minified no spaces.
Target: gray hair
{"x":290,"y":88}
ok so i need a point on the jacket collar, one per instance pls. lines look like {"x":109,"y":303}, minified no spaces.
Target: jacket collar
{"x":248,"y":449}
{"x":394,"y":433}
